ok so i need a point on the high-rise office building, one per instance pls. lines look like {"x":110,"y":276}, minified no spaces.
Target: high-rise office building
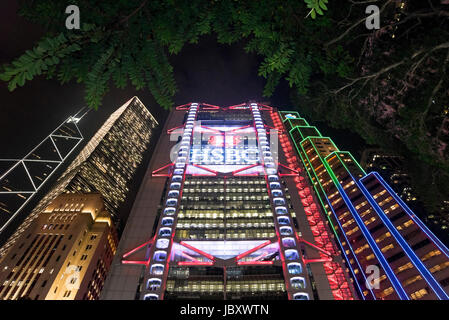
{"x":21,"y":179}
{"x":391,"y":168}
{"x":224,"y":213}
{"x":376,"y":229}
{"x":64,"y":254}
{"x":107,"y":164}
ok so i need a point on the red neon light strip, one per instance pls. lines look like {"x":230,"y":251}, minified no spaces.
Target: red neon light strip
{"x":182,"y":107}
{"x":155,"y":172}
{"x":334,"y":272}
{"x":266,"y":107}
{"x":194,"y":263}
{"x":236,"y":106}
{"x":240,"y":263}
{"x":286,"y":167}
{"x":173,"y":129}
{"x":204,"y":168}
{"x":260,"y":257}
{"x":245,"y":168}
{"x":135,"y":262}
{"x":136,"y":249}
{"x":314,"y":246}
{"x":240,"y":128}
{"x":211,"y":106}
{"x":216,"y":130}
{"x":244,"y":254}
{"x":306,"y":261}
{"x":188,"y":256}
{"x":211,"y":257}
{"x":288,"y":174}
{"x":267,"y":126}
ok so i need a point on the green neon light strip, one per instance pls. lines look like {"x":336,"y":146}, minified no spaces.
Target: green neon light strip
{"x":317,"y":180}
{"x":298,"y":128}
{"x":291,"y":112}
{"x":318,"y":193}
{"x":321,"y":136}
{"x":305,"y":159}
{"x":292,"y":125}
{"x":319,"y":196}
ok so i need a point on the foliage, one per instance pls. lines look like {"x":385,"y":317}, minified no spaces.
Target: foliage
{"x":388,"y":85}
{"x":316,"y":6}
{"x":130,"y":41}
{"x":395,"y":95}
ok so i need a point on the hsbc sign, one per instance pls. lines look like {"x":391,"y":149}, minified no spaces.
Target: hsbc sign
{"x":228,"y":145}
{"x":224,"y":156}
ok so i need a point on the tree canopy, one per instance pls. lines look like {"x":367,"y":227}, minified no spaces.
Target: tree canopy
{"x":389,"y":85}
{"x":130,"y":40}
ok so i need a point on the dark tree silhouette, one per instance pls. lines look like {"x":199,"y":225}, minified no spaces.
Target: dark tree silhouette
{"x":388,"y":85}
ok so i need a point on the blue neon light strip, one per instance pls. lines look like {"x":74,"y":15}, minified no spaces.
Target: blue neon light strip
{"x":378,"y":253}
{"x":346,"y":257}
{"x":405,"y":246}
{"x":407,"y":210}
{"x":336,"y":218}
{"x":387,"y":268}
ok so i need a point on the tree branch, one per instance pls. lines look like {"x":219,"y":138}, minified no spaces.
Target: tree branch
{"x":344,"y":34}
{"x":444,"y":45}
{"x":134,"y":12}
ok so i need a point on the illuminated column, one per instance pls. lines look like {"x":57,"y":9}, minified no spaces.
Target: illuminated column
{"x":289,"y":249}
{"x":159,"y":256}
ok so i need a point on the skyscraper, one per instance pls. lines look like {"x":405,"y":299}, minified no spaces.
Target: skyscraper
{"x":391,"y":168}
{"x":107,"y":163}
{"x":21,"y":179}
{"x":224,"y":213}
{"x":64,"y":254}
{"x":376,"y":229}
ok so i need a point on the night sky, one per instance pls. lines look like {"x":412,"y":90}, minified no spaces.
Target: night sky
{"x":205,"y":72}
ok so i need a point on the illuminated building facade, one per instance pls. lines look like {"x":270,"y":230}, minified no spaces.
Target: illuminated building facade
{"x":223,"y":213}
{"x":64,"y":254}
{"x":391,"y":168}
{"x":107,"y":163}
{"x":373,"y":225}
